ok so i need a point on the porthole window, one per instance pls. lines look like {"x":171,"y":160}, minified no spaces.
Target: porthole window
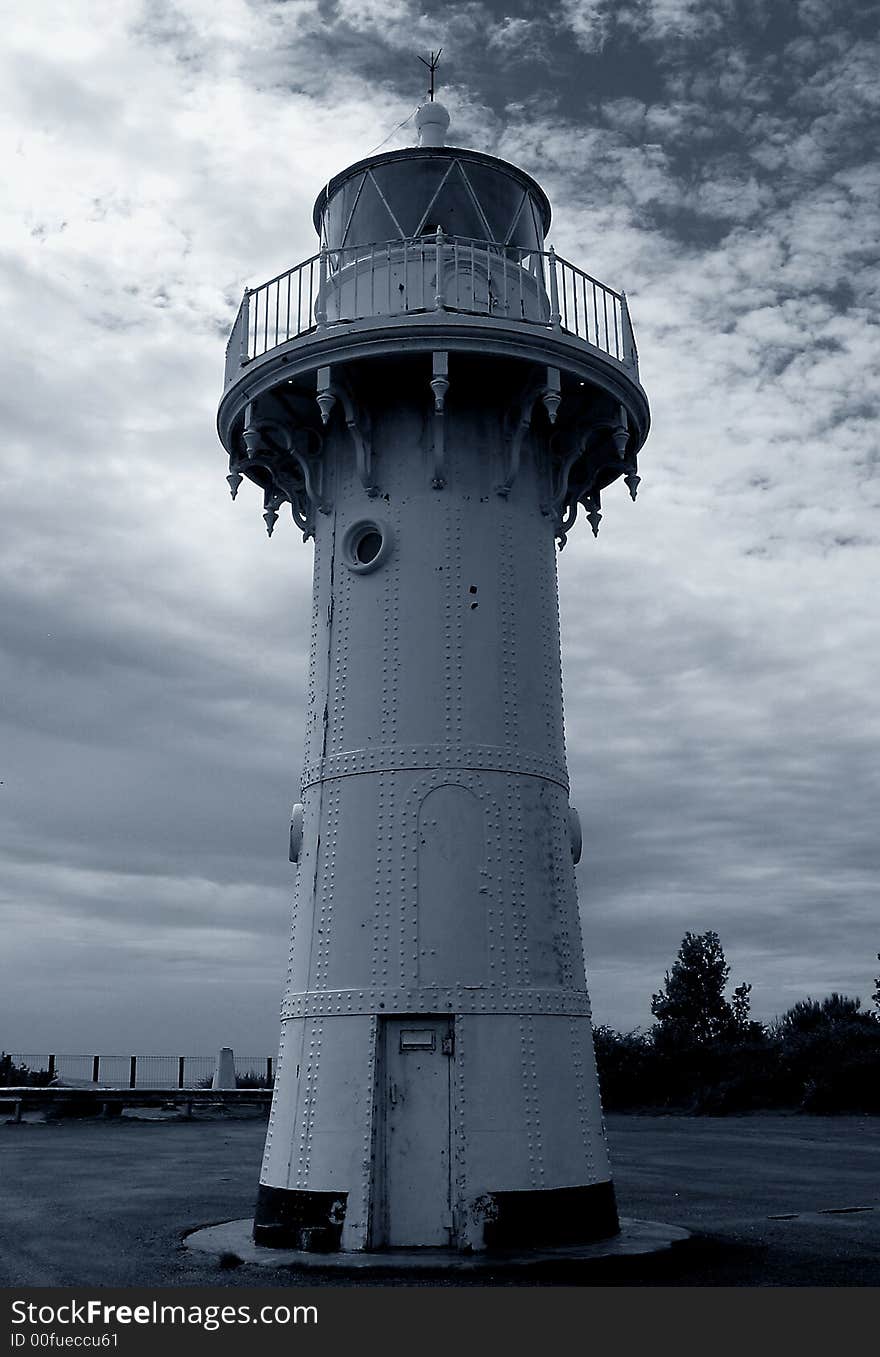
{"x":366,"y":545}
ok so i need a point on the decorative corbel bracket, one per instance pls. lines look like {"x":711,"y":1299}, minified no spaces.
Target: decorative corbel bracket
{"x":294,"y":474}
{"x":272,"y":501}
{"x":594,"y":511}
{"x":332,"y":389}
{"x":568,"y":494}
{"x":620,"y":432}
{"x":575,"y":450}
{"x":632,"y":477}
{"x":620,"y":437}
{"x":518,"y":422}
{"x":439,"y":386}
{"x":552,"y":394}
{"x":439,"y":380}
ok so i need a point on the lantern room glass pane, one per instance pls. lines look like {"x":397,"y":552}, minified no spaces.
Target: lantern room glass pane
{"x":371,"y":222}
{"x":501,"y":197}
{"x":455,"y":210}
{"x":338,"y":210}
{"x":412,"y":196}
{"x":409,"y":186}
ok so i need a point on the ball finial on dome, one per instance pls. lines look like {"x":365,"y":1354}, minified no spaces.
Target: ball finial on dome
{"x":432,"y":120}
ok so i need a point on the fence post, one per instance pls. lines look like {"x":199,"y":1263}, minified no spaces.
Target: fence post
{"x":438,"y":244}
{"x":630,"y":352}
{"x":132,"y":1074}
{"x":268,"y":1069}
{"x":51,"y":1067}
{"x":321,"y":308}
{"x":555,"y":313}
{"x":96,"y":1066}
{"x":245,"y":327}
{"x":181,"y":1063}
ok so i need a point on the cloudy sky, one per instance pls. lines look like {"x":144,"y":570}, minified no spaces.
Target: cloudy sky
{"x":721,"y":645}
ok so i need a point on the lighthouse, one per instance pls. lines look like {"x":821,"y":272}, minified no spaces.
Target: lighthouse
{"x":433,"y":398}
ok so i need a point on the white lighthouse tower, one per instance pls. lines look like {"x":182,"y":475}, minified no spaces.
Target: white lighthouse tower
{"x":434,"y":395}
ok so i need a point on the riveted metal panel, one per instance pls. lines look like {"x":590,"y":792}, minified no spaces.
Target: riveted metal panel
{"x":549,"y":885}
{"x":282,"y":1114}
{"x":347,"y":918}
{"x":452,"y":899}
{"x":340,"y":1109}
{"x":494,"y":1118}
{"x":572,"y":1141}
{"x":302,"y":925}
{"x":356,"y":1232}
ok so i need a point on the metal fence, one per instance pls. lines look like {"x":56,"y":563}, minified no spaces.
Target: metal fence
{"x":141,"y":1071}
{"x":430,"y":273}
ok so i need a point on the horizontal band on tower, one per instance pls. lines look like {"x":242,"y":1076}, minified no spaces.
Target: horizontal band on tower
{"x":417,"y":758}
{"x":551,"y":1216}
{"x":453,"y":999}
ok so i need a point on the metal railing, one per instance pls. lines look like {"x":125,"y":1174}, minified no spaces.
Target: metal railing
{"x":140,"y":1071}
{"x":110,"y":1102}
{"x":430,"y":274}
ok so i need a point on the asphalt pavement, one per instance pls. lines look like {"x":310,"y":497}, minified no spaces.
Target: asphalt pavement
{"x":772,"y":1201}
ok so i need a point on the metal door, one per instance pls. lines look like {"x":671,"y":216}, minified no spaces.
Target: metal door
{"x":416,"y":1181}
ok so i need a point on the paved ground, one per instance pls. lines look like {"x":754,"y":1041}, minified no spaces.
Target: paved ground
{"x":772,"y":1197}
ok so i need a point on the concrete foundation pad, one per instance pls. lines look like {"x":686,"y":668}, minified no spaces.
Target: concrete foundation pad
{"x":233,"y":1237}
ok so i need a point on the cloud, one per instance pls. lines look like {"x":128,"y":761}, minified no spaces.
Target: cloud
{"x":589,"y":21}
{"x":719,"y":645}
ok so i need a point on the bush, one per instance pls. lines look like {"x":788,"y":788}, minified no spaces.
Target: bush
{"x":12,"y":1075}
{"x":252,"y":1079}
{"x":626,"y":1065}
{"x":831,"y":1051}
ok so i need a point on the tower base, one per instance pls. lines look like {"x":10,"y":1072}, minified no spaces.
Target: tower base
{"x":311,"y":1222}
{"x":234,"y":1239}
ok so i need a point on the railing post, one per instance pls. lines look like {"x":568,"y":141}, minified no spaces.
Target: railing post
{"x":181,"y":1064}
{"x":245,"y":313}
{"x":630,"y":352}
{"x":321,"y":308}
{"x":268,"y":1069}
{"x":96,"y":1066}
{"x":438,"y":244}
{"x":132,"y":1072}
{"x":51,"y":1067}
{"x":555,"y":313}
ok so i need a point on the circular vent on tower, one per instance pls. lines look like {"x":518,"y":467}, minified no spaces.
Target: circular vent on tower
{"x":366,"y":545}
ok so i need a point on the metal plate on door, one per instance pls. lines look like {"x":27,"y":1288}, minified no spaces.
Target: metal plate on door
{"x":418,"y":1039}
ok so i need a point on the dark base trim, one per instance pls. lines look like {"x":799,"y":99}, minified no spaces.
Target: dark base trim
{"x":550,"y":1216}
{"x":289,"y":1218}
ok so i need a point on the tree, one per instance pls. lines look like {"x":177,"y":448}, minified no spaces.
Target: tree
{"x":812,"y":1015}
{"x":691,"y":1007}
{"x":876,"y":995}
{"x":830,"y":1049}
{"x":740,"y":1006}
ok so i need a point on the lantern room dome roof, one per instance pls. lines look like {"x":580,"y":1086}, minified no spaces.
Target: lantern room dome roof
{"x":432,"y":123}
